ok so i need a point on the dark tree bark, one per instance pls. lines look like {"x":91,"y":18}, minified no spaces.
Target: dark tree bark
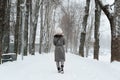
{"x":2,"y":23}
{"x":26,"y":27}
{"x":115,"y":51}
{"x":17,"y":28}
{"x":84,"y":25}
{"x":6,"y":28}
{"x":115,"y":40}
{"x":96,"y":33}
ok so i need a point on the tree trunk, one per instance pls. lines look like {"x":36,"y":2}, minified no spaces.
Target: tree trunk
{"x":47,"y":17}
{"x":33,"y":28}
{"x":2,"y":23}
{"x":41,"y":29}
{"x":26,"y":28}
{"x":84,"y":25}
{"x":22,"y":6}
{"x":6,"y":28}
{"x":96,"y":31}
{"x":17,"y":26}
{"x":30,"y":26}
{"x":115,"y":47}
{"x":115,"y":40}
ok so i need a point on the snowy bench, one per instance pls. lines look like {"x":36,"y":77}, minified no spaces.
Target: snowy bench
{"x":8,"y":57}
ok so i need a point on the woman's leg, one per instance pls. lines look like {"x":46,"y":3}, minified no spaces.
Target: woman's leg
{"x":62,"y":66}
{"x":58,"y":66}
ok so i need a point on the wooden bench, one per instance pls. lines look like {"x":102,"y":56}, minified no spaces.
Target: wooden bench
{"x":8,"y":57}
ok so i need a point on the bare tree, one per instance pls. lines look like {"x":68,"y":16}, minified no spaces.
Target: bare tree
{"x":17,"y":27}
{"x":6,"y":28}
{"x":115,"y":51}
{"x":22,"y":28}
{"x":46,"y":26}
{"x":33,"y":28}
{"x":84,"y":25}
{"x":26,"y":27}
{"x":2,"y":22}
{"x":42,"y":27}
{"x":115,"y":39}
{"x":96,"y":31}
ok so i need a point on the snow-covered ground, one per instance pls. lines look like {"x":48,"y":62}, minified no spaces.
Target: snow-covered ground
{"x":42,"y":67}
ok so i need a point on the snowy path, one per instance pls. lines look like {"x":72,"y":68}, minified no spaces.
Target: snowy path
{"x":42,"y":67}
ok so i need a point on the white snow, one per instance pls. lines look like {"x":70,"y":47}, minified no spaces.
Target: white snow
{"x":43,"y":67}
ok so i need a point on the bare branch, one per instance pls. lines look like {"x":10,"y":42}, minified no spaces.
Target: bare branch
{"x":105,"y":9}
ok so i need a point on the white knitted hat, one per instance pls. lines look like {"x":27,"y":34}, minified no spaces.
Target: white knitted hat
{"x":58,"y":30}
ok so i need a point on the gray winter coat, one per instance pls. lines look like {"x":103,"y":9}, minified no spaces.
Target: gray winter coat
{"x":59,"y":43}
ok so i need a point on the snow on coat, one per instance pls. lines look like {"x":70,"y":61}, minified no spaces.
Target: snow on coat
{"x":59,"y":43}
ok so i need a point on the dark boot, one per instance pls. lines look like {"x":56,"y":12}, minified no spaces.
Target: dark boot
{"x":58,"y":69}
{"x":62,"y":70}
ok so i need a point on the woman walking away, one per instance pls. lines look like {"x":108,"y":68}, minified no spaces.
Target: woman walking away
{"x":59,"y":43}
